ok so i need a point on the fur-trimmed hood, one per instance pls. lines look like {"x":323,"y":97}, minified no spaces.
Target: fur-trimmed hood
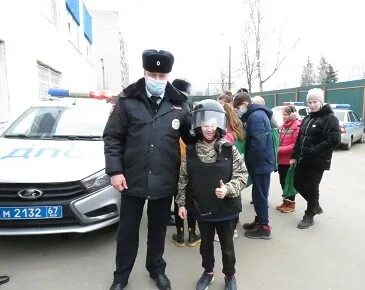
{"x":294,"y":116}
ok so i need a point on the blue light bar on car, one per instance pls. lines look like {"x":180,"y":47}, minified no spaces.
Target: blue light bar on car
{"x":341,"y":106}
{"x":59,"y":93}
{"x":62,"y":93}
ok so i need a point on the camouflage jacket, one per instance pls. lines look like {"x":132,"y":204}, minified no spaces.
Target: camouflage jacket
{"x":208,"y":154}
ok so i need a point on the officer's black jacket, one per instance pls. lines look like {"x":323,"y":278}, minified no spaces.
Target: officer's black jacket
{"x":144,"y":145}
{"x":319,"y":135}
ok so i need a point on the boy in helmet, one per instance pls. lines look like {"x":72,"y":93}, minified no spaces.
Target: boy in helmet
{"x":216,"y":202}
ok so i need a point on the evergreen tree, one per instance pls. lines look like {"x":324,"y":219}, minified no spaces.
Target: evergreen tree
{"x":322,"y":70}
{"x":308,"y":76}
{"x":331,"y":75}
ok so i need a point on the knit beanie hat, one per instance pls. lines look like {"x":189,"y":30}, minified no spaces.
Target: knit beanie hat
{"x":315,"y":94}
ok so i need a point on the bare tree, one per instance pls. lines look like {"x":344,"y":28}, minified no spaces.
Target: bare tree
{"x":223,"y":80}
{"x":253,"y":62}
{"x":249,"y":58}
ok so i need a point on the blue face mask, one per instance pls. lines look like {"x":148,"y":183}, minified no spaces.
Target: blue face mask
{"x":155,"y":87}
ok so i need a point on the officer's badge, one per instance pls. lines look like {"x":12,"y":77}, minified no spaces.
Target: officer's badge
{"x":175,"y":124}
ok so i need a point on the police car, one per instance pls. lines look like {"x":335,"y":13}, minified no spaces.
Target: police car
{"x":299,"y":106}
{"x":351,"y":126}
{"x":52,"y":177}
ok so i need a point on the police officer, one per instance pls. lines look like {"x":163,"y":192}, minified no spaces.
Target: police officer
{"x":4,"y":279}
{"x":142,"y":155}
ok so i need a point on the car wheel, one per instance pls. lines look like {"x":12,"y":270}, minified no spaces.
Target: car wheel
{"x":362,"y":139}
{"x":348,"y":145}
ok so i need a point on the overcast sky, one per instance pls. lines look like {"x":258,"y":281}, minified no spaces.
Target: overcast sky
{"x":199,"y":32}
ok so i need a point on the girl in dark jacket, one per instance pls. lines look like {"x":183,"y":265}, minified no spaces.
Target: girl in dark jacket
{"x":319,"y":135}
{"x":211,"y":180}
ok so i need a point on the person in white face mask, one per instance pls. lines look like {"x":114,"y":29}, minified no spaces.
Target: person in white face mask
{"x":142,"y":156}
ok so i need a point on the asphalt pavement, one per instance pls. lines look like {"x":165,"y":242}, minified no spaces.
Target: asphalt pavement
{"x":328,"y":256}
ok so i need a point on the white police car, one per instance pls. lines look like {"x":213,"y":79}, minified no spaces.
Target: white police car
{"x":52,"y":177}
{"x":299,"y":106}
{"x":351,"y":126}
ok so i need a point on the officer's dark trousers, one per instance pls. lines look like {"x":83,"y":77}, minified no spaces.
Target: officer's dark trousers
{"x":225,"y":233}
{"x":260,"y":192}
{"x":128,"y":235}
{"x":306,"y":182}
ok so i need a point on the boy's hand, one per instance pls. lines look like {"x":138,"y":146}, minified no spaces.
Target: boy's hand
{"x":221,"y":191}
{"x":183,"y":213}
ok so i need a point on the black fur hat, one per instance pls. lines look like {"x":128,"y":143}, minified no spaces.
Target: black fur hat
{"x":157,"y":61}
{"x":182,"y":85}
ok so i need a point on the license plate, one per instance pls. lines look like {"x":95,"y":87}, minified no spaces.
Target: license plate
{"x":31,"y":212}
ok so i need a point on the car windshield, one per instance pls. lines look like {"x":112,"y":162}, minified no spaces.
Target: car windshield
{"x":340,"y":115}
{"x":278,"y":110}
{"x":70,"y":122}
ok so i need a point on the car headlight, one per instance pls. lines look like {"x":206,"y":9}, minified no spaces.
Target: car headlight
{"x":96,"y":181}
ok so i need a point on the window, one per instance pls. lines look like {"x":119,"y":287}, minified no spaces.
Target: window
{"x":74,"y":9}
{"x":357,"y":119}
{"x":49,"y":10}
{"x":73,"y":31}
{"x":351,"y":117}
{"x":87,"y":25}
{"x":47,"y":78}
{"x":302,"y":112}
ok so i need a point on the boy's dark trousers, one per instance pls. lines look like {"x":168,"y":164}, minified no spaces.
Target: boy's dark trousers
{"x":225,"y":233}
{"x":260,"y":192}
{"x":128,"y":235}
{"x":180,"y":222}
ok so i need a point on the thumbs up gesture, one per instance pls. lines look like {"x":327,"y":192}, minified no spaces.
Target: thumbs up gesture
{"x":221,"y":191}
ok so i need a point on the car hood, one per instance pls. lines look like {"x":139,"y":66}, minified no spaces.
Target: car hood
{"x":38,"y":161}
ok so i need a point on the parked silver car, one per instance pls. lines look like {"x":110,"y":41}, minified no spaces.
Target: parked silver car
{"x":299,"y":106}
{"x":351,"y":126}
{"x":52,"y":177}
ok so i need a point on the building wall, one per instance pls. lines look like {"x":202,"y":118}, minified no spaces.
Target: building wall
{"x":109,"y":51}
{"x":33,"y":34}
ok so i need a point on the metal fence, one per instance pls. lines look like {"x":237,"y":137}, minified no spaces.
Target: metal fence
{"x":351,"y":92}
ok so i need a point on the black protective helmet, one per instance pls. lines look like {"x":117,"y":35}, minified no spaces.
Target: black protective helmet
{"x":209,"y":112}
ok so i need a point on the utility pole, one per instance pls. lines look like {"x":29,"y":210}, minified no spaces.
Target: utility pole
{"x":229,"y":69}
